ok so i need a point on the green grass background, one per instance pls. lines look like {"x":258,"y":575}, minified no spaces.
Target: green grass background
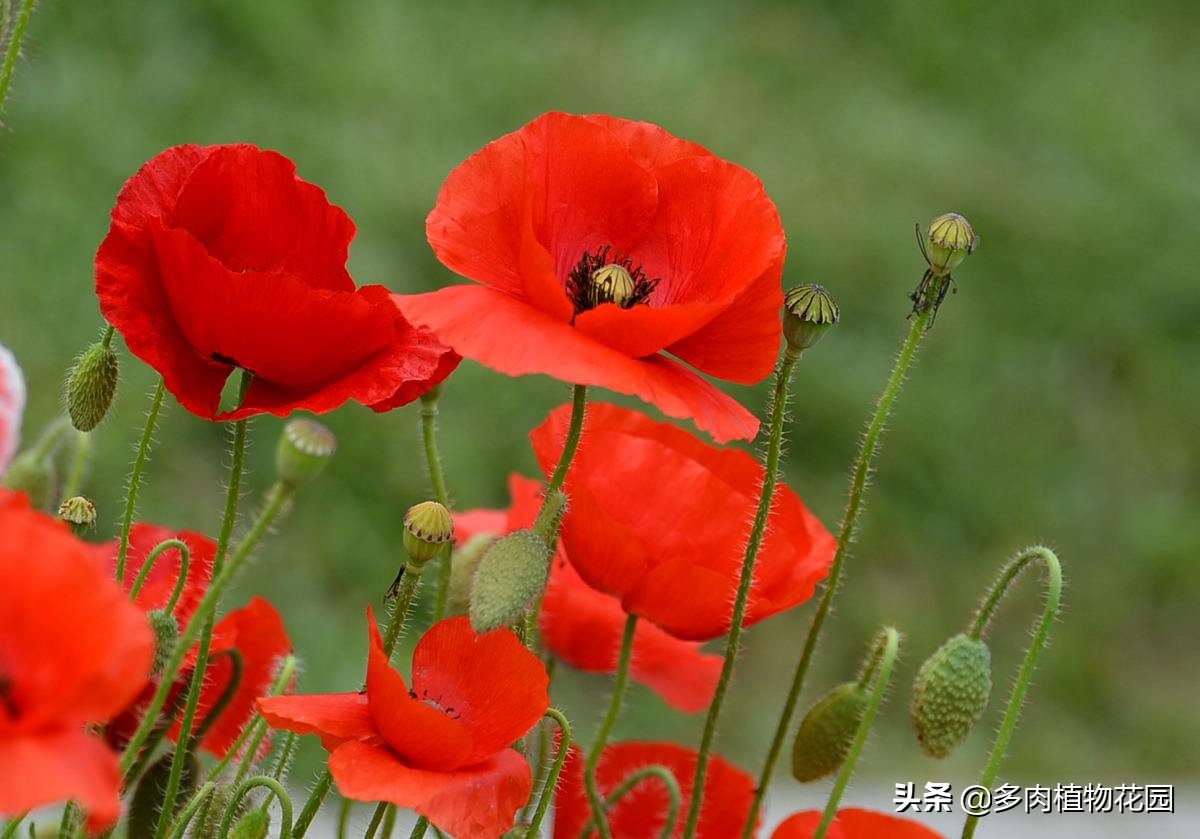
{"x":1056,"y":399}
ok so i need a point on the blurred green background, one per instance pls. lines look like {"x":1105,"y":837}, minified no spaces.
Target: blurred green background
{"x":1056,"y":399}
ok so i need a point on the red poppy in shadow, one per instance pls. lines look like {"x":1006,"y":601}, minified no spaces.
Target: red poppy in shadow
{"x":583,"y":627}
{"x":642,"y":812}
{"x":601,"y":247}
{"x":73,"y":652}
{"x":442,"y":747}
{"x":659,"y":519}
{"x":220,"y":257}
{"x":851,"y":823}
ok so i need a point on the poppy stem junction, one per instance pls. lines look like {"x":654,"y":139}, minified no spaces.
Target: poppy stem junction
{"x":551,"y":783}
{"x":135,"y":477}
{"x":783,"y":376}
{"x":858,"y":488}
{"x":1053,"y":586}
{"x":437,"y":476}
{"x":879,"y":667}
{"x":614,"y":710}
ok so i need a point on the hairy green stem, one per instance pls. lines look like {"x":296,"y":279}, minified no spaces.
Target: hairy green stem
{"x":654,"y":771}
{"x":883,"y":657}
{"x":135,"y":477}
{"x":376,"y":820}
{"x":14,"y":50}
{"x":179,"y":827}
{"x":344,"y":817}
{"x":437,"y":477}
{"x":571,"y":445}
{"x":1053,"y":587}
{"x":552,"y":779}
{"x":783,"y":376}
{"x":858,"y":488}
{"x":610,"y":719}
{"x":418,"y":831}
{"x":276,"y":789}
{"x":185,"y":560}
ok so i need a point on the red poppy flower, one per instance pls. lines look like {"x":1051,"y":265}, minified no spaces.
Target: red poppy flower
{"x":220,"y":257}
{"x":583,"y":627}
{"x":642,"y":812}
{"x":601,"y":245}
{"x":441,"y":748}
{"x":73,"y":651}
{"x":12,"y":406}
{"x":659,"y":519}
{"x":853,"y":824}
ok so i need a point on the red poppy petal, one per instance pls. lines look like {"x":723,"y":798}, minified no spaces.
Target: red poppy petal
{"x":471,"y":523}
{"x":649,"y":144}
{"x":702,"y":615}
{"x":12,"y":406}
{"x":645,"y":330}
{"x":60,"y":766}
{"x":481,"y":323}
{"x":249,"y":210}
{"x":153,"y":191}
{"x":336,"y":717}
{"x":475,"y":802}
{"x":851,"y":823}
{"x":492,"y":683}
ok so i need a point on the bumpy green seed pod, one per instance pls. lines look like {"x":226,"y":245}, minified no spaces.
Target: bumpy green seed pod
{"x":256,"y":824}
{"x":951,"y":693}
{"x":305,"y":447}
{"x":147,"y":801}
{"x":166,"y":636}
{"x":511,"y":574}
{"x":91,"y":385}
{"x":827,"y":731}
{"x":427,"y":529}
{"x":463,"y":565}
{"x":809,"y":311}
{"x":35,"y":475}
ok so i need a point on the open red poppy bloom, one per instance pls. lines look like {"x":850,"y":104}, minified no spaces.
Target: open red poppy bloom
{"x":12,"y":406}
{"x":600,"y":246}
{"x":582,"y":626}
{"x":73,"y":651}
{"x":442,"y":747}
{"x":851,"y":823}
{"x":659,"y":519}
{"x":219,"y":257}
{"x":642,"y":812}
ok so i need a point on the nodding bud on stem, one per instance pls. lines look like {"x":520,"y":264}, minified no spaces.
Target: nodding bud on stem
{"x":951,"y":240}
{"x":827,"y":731}
{"x":256,"y":824}
{"x":809,"y":311}
{"x":951,"y":693}
{"x":305,"y":447}
{"x":91,"y":385}
{"x":34,"y":474}
{"x":427,"y":529}
{"x":166,"y":636}
{"x":463,"y":565}
{"x":510,"y":576}
{"x":78,"y":511}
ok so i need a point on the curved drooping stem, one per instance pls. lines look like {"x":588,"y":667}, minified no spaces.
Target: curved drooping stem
{"x":879,"y":667}
{"x":277,"y":790}
{"x":180,"y":825}
{"x":1053,"y":587}
{"x":858,"y":490}
{"x":614,"y":710}
{"x":548,"y":787}
{"x":655,"y":771}
{"x":783,"y":376}
{"x":135,"y":476}
{"x":185,"y":560}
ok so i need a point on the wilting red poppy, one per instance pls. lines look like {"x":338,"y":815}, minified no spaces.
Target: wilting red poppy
{"x":442,"y":747}
{"x":659,"y":519}
{"x":583,"y":627}
{"x":642,"y":812}
{"x":851,"y":823}
{"x":12,"y":406}
{"x":219,"y":257}
{"x":601,"y":245}
{"x":73,"y":652}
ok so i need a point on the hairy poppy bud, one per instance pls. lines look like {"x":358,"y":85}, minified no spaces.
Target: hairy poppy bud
{"x":511,"y":574}
{"x":809,"y":311}
{"x":78,"y":511}
{"x":951,"y":239}
{"x":827,"y":731}
{"x":33,"y":473}
{"x":148,"y":797}
{"x":91,"y":385}
{"x":463,"y":565}
{"x":166,"y":636}
{"x":256,"y":824}
{"x":427,"y":529}
{"x":951,"y":693}
{"x":305,"y":446}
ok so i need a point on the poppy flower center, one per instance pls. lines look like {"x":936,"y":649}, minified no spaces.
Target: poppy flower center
{"x":7,"y":702}
{"x":434,"y":703}
{"x":603,"y":276}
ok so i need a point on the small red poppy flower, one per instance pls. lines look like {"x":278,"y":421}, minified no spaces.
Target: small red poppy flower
{"x":440,"y":747}
{"x":642,"y":812}
{"x":659,"y":519}
{"x":582,"y":626}
{"x":852,"y":823}
{"x":601,"y":247}
{"x":12,"y":406}
{"x":73,"y":652}
{"x":220,"y":257}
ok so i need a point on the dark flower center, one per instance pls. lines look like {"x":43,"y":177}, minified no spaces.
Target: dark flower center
{"x":435,"y":703}
{"x":6,"y":698}
{"x":606,"y":277}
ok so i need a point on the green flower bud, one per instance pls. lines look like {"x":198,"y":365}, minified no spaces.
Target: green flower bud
{"x":256,"y":824}
{"x":808,"y":313}
{"x":78,"y":511}
{"x":305,"y":446}
{"x":510,"y":576}
{"x":427,"y":529}
{"x":463,"y":565}
{"x":951,"y":693}
{"x":34,"y":474}
{"x":166,"y":636}
{"x":951,"y":240}
{"x":827,"y":731}
{"x":91,"y":385}
{"x":147,"y":801}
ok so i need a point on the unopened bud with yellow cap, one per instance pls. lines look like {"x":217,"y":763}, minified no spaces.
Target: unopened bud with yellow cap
{"x":428,"y":528}
{"x":809,"y":311}
{"x":951,"y":240}
{"x":304,"y":448}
